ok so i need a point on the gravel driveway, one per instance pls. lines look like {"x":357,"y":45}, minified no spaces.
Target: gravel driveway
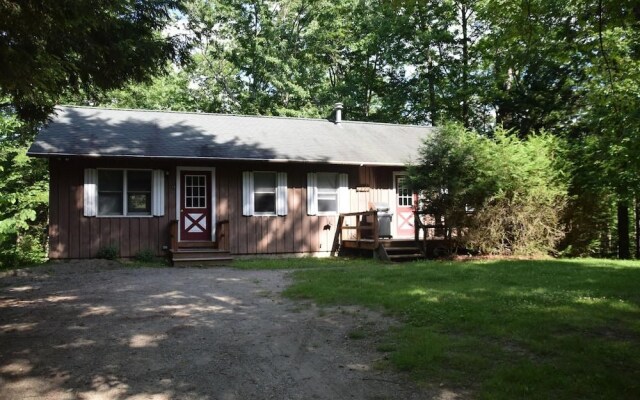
{"x":95,"y":330}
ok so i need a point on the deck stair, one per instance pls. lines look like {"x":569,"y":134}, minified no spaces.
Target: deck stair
{"x":363,"y":235}
{"x":200,"y":253}
{"x":399,"y":250}
{"x":199,"y":257}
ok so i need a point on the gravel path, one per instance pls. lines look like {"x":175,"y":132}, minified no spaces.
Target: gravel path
{"x":95,"y":330}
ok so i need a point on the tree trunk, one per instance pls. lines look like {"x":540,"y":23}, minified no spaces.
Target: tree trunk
{"x":624,"y":251}
{"x":465,"y":65}
{"x":636,"y":218}
{"x":433,"y":108}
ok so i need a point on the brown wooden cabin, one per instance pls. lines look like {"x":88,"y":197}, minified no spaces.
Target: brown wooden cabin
{"x":182,"y":183}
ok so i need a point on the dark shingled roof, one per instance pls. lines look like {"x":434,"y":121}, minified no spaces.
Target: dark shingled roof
{"x":84,"y":131}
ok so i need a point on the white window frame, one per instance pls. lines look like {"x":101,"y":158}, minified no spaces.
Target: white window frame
{"x":342,"y":193}
{"x":275,"y":195}
{"x":249,"y":191}
{"x":205,"y":193}
{"x":90,"y":193}
{"x":125,"y":189}
{"x":335,"y":192}
{"x":399,"y":195}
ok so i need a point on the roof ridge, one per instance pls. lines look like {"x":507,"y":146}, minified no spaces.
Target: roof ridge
{"x":146,"y":110}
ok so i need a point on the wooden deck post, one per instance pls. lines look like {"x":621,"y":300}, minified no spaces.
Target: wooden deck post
{"x":376,"y":230}
{"x":338,"y":236}
{"x":173,"y":233}
{"x":222,"y":235}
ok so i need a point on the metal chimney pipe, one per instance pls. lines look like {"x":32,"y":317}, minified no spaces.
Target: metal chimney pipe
{"x":337,"y":108}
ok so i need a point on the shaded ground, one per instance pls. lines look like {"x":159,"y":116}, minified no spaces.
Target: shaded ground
{"x":94,"y":330}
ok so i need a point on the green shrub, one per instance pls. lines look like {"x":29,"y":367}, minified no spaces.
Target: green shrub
{"x":144,"y":255}
{"x":24,"y":197}
{"x":108,"y":252}
{"x":502,"y":195}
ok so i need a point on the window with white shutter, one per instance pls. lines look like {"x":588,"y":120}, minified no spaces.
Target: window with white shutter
{"x":327,"y":193}
{"x":264,"y":193}
{"x":123,"y":192}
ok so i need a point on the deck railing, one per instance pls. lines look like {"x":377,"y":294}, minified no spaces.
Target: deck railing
{"x":173,"y":234}
{"x":426,"y":228}
{"x":366,"y":228}
{"x":222,"y":234}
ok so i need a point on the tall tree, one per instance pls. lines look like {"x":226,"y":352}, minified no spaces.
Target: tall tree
{"x":49,"y":47}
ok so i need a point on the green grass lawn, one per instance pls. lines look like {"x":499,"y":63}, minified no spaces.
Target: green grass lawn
{"x":502,"y":329}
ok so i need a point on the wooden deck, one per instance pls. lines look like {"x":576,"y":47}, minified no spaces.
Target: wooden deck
{"x":360,"y":231}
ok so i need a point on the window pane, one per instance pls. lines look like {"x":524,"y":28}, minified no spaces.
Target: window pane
{"x":264,"y":182}
{"x":110,"y":180}
{"x":327,"y":182}
{"x":139,"y":181}
{"x":195,"y":191}
{"x":110,"y":185}
{"x":265,"y":203}
{"x":139,"y":203}
{"x":327,"y":205}
{"x":110,"y":203}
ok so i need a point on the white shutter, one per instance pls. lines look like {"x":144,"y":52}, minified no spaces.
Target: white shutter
{"x":312,"y":193}
{"x":157,"y":192}
{"x":343,"y":193}
{"x":90,"y":192}
{"x":281,"y":194}
{"x":247,"y":193}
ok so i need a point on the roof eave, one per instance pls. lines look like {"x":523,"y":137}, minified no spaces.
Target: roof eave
{"x":271,"y":160}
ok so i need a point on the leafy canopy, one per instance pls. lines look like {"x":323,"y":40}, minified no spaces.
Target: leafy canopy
{"x":501,"y":194}
{"x":49,"y":47}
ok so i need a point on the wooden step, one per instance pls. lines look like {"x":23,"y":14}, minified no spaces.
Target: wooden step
{"x":405,"y":257}
{"x":197,"y":257}
{"x":202,"y":262}
{"x":192,"y":253}
{"x":411,"y":249}
{"x":198,"y":244}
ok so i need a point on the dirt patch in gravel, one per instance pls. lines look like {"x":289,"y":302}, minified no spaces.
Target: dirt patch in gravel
{"x":96,"y":330}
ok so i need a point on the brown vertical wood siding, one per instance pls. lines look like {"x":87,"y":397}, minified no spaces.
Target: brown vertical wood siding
{"x":72,"y":235}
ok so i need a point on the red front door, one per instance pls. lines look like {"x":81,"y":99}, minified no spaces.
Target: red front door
{"x":195,"y":205}
{"x":405,"y":200}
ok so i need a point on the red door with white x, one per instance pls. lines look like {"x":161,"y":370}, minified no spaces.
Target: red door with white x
{"x":195,"y":206}
{"x":405,"y":203}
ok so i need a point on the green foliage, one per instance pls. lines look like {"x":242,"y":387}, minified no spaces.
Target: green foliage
{"x":52,"y":47}
{"x":516,"y":188}
{"x":108,"y":252}
{"x":145,"y":255}
{"x":568,"y":68}
{"x":296,"y":263}
{"x":23,"y":199}
{"x":501,"y":330}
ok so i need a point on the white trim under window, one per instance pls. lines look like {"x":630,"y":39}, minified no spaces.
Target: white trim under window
{"x":264,"y":193}
{"x":127,"y":192}
{"x":327,"y":193}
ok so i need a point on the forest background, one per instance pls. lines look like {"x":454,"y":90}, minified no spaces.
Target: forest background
{"x":564,"y":75}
